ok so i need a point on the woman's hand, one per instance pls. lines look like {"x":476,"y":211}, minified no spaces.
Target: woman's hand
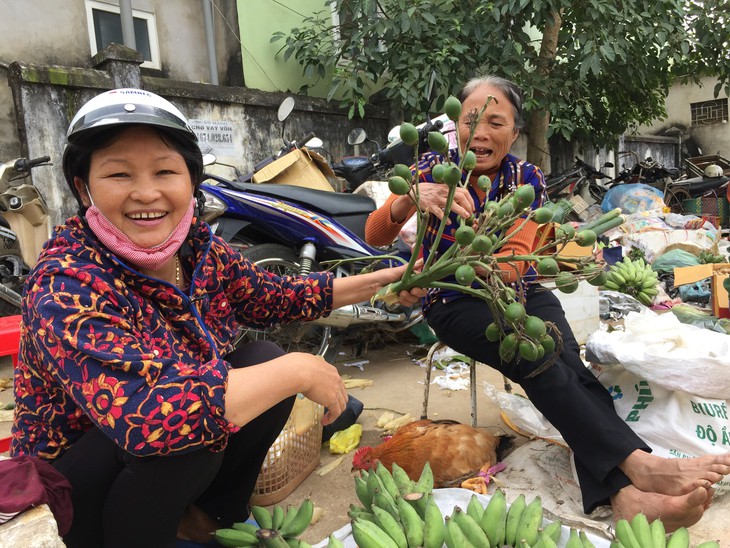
{"x":414,"y":295}
{"x":326,"y":387}
{"x":432,"y":198}
{"x":256,"y":388}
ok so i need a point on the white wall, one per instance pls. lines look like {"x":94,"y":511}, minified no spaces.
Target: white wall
{"x":48,"y":32}
{"x":711,"y":138}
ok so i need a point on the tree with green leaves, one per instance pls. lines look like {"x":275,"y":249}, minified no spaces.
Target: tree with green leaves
{"x":589,"y":69}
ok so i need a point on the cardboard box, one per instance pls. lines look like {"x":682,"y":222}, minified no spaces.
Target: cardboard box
{"x":717,"y":272}
{"x":546,"y":233}
{"x":300,"y":167}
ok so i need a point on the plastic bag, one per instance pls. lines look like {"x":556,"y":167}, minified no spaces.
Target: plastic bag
{"x":673,"y":422}
{"x":662,"y":350}
{"x":346,"y":440}
{"x":632,"y":198}
{"x":522,"y":416}
{"x":675,"y":258}
{"x":698,"y":292}
{"x":692,"y":316}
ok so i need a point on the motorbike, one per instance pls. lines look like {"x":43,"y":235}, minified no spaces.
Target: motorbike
{"x":581,"y":180}
{"x":676,"y":188}
{"x":296,"y":230}
{"x":677,"y":191}
{"x":356,"y":170}
{"x":24,"y":228}
{"x":647,"y":171}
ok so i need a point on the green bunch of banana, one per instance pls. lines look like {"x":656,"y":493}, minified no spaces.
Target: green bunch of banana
{"x":381,"y":487}
{"x":276,"y":529}
{"x":635,"y":278}
{"x":399,"y":512}
{"x":707,"y":257}
{"x":396,"y":510}
{"x":639,"y":533}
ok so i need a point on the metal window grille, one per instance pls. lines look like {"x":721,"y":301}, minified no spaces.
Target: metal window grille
{"x":709,"y":112}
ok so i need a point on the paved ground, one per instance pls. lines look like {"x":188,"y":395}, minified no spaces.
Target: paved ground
{"x":397,"y":387}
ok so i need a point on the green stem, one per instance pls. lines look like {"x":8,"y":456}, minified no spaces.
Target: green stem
{"x":446,"y":255}
{"x":337,"y":262}
{"x":416,"y":251}
{"x":442,"y":226}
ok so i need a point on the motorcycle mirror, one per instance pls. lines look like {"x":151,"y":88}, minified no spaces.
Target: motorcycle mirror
{"x":357,"y":136}
{"x":208,"y":159}
{"x":314,"y":142}
{"x":285,"y":109}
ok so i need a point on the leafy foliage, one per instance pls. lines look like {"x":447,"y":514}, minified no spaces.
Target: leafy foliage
{"x":612,"y":67}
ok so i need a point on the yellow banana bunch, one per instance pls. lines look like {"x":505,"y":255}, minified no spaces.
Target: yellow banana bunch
{"x":635,"y":278}
{"x":274,"y":527}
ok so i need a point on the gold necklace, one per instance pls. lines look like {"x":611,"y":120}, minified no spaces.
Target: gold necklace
{"x":177,"y":271}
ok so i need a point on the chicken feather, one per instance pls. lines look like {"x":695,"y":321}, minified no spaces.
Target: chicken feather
{"x":454,"y":450}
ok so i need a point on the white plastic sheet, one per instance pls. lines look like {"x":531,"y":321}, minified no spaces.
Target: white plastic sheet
{"x":660,"y":349}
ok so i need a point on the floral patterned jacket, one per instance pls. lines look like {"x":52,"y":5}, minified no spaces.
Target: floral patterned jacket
{"x":103,"y":345}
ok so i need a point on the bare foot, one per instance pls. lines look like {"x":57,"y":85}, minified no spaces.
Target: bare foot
{"x":674,"y":511}
{"x":654,"y":474}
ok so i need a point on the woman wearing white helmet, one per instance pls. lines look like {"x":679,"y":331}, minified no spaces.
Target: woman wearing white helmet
{"x":128,"y":382}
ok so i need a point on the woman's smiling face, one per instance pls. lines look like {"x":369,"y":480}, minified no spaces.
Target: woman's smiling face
{"x":495,"y":132}
{"x":140,"y":184}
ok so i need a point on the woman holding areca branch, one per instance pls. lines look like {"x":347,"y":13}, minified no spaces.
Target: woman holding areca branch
{"x":614,"y":465}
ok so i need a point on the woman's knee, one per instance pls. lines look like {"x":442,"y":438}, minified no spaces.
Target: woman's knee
{"x":253,"y":353}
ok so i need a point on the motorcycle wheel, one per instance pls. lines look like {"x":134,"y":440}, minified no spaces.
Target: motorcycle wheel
{"x":294,"y":337}
{"x":674,"y":198}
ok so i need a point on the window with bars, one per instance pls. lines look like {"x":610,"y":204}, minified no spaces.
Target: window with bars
{"x":105,"y":26}
{"x":709,"y":112}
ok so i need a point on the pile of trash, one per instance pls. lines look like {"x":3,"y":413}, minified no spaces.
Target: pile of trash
{"x":689,"y":258}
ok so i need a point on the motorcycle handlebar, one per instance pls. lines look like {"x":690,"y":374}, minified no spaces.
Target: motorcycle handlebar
{"x":590,"y":170}
{"x":425,"y":130}
{"x":23,"y":165}
{"x":307,"y":137}
{"x":385,"y":155}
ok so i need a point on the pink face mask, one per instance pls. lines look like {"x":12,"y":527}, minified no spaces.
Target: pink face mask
{"x":148,"y":258}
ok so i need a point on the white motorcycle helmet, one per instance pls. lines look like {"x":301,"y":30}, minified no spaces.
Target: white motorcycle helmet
{"x":713,"y":170}
{"x":127,"y":106}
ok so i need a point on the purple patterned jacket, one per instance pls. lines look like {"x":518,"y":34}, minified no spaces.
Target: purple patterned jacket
{"x":103,"y":345}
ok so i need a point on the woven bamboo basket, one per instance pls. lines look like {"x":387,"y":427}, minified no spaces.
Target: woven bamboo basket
{"x":293,"y":456}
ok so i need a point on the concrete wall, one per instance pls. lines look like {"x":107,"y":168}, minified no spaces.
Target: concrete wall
{"x":711,"y":138}
{"x":53,"y":32}
{"x":244,"y":120}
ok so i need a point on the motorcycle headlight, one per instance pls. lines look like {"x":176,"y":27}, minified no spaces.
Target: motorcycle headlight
{"x":214,"y":207}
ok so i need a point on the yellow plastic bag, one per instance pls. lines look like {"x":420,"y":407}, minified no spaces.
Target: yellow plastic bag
{"x":346,"y":440}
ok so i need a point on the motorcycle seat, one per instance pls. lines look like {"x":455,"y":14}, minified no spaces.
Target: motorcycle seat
{"x":331,"y":203}
{"x":696,"y":186}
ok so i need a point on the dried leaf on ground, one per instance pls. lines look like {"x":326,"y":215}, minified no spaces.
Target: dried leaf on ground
{"x":357,"y":383}
{"x":327,"y":468}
